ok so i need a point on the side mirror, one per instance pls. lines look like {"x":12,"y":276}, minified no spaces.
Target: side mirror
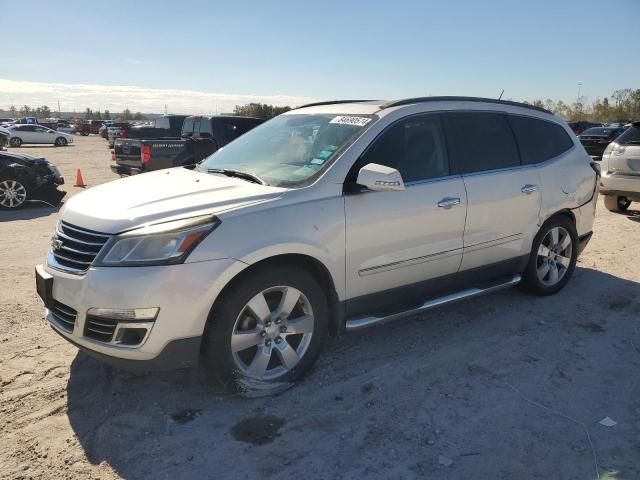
{"x":380,"y":178}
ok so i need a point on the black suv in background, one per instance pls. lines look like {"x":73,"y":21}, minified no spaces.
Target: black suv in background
{"x":200,"y":137}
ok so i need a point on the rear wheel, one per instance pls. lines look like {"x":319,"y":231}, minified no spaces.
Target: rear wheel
{"x":15,"y":142}
{"x":61,"y":141}
{"x":616,"y":204}
{"x":13,"y":193}
{"x":268,"y":330}
{"x":553,"y":257}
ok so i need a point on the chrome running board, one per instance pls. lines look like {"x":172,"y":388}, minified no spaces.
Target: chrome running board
{"x":364,"y":322}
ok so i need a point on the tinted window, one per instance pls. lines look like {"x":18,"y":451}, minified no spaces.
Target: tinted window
{"x":26,"y":128}
{"x":599,"y":131}
{"x":480,"y":141}
{"x":631,"y":136}
{"x":539,"y":140}
{"x":187,"y":126}
{"x":206,"y":127}
{"x":415,"y":147}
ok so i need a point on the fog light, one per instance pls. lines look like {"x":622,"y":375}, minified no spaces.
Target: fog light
{"x":125,"y":314}
{"x":131,"y":336}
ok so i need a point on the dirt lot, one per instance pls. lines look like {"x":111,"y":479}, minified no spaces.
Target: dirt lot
{"x":503,"y":387}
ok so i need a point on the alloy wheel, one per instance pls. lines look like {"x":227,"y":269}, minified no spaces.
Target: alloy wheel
{"x":554,"y":256}
{"x":12,"y":194}
{"x":272,"y":333}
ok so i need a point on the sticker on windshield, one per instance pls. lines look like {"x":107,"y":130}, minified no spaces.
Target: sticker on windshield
{"x":317,"y":161}
{"x":351,"y":120}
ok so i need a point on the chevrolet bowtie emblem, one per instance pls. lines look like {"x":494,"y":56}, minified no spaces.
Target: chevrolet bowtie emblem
{"x":56,"y":244}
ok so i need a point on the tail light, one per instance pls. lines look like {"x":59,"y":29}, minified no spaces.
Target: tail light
{"x":145,"y":153}
{"x":113,"y":155}
{"x":123,"y":133}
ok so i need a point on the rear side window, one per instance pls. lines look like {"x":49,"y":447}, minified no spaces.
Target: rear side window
{"x":631,"y":136}
{"x":539,"y":140}
{"x":414,"y":146}
{"x":480,"y":141}
{"x":187,"y":126}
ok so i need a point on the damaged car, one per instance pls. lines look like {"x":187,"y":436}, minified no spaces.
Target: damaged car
{"x":25,"y":177}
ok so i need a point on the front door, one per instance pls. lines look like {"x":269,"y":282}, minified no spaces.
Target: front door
{"x":411,"y":237}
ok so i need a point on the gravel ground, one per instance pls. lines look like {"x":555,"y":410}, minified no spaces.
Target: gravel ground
{"x":507,"y":386}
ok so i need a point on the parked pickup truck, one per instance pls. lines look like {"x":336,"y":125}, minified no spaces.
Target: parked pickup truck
{"x":200,"y":137}
{"x":167,"y":126}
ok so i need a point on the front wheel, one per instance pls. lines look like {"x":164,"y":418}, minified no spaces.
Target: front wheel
{"x":267,"y":330}
{"x":616,"y":204}
{"x":553,"y":257}
{"x":13,"y":193}
{"x":61,"y":142}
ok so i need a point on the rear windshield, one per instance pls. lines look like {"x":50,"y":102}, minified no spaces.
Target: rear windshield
{"x":631,"y":136}
{"x":599,"y":131}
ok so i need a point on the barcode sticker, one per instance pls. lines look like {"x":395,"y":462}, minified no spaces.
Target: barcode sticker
{"x":351,"y":120}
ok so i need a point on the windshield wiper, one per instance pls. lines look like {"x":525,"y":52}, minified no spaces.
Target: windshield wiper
{"x":238,"y":174}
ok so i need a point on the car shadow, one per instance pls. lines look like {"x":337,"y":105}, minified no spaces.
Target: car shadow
{"x":181,"y":425}
{"x":633,"y":215}
{"x":32,"y":209}
{"x":36,"y":145}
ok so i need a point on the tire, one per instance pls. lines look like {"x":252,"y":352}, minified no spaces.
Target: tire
{"x":84,"y":133}
{"x":616,"y":204}
{"x":259,"y":359}
{"x":60,"y":142}
{"x":554,"y":253}
{"x":13,"y":193}
{"x":15,"y":142}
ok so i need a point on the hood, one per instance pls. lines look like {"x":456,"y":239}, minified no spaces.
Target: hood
{"x":23,"y":158}
{"x":162,"y":195}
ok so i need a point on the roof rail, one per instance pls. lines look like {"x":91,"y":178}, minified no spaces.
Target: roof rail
{"x":409,"y":101}
{"x":330,"y":102}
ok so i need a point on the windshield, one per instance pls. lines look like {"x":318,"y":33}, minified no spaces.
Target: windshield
{"x":289,"y":150}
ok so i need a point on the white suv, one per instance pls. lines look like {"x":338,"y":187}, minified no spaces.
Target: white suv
{"x":620,"y":168}
{"x":334,"y":216}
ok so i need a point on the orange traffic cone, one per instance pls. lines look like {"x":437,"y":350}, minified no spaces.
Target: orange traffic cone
{"x":79,"y":180}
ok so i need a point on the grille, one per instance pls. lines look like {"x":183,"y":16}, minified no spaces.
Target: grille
{"x":65,"y":316}
{"x":75,"y":248}
{"x":99,"y":328}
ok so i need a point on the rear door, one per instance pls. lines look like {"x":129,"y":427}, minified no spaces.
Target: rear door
{"x":503,"y":195}
{"x":411,"y":237}
{"x":27,"y":133}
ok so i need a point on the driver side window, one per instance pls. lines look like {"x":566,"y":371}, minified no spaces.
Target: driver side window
{"x":414,"y":146}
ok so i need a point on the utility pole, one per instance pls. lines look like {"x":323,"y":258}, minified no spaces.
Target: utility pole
{"x":579,"y":89}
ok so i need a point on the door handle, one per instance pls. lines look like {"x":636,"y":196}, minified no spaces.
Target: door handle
{"x":529,"y":188}
{"x":448,"y":202}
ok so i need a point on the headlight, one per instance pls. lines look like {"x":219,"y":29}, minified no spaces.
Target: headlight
{"x":161,"y":244}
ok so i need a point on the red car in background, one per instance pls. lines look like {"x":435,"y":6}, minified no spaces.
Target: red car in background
{"x":89,"y":126}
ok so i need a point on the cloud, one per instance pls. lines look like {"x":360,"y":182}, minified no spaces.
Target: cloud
{"x":77,"y":97}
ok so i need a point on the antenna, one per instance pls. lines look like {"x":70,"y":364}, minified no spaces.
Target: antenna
{"x":500,"y":97}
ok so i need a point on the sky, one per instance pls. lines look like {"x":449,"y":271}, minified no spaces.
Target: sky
{"x":207,"y":56}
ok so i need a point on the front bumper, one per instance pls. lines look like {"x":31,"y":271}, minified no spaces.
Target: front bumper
{"x":183,"y":293}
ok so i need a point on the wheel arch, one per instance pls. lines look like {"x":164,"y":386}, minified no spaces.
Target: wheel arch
{"x":565,"y":212}
{"x":297,"y":260}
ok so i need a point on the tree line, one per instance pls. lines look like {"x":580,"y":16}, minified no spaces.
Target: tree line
{"x":259,"y":110}
{"x":622,"y":106}
{"x":44,"y":111}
